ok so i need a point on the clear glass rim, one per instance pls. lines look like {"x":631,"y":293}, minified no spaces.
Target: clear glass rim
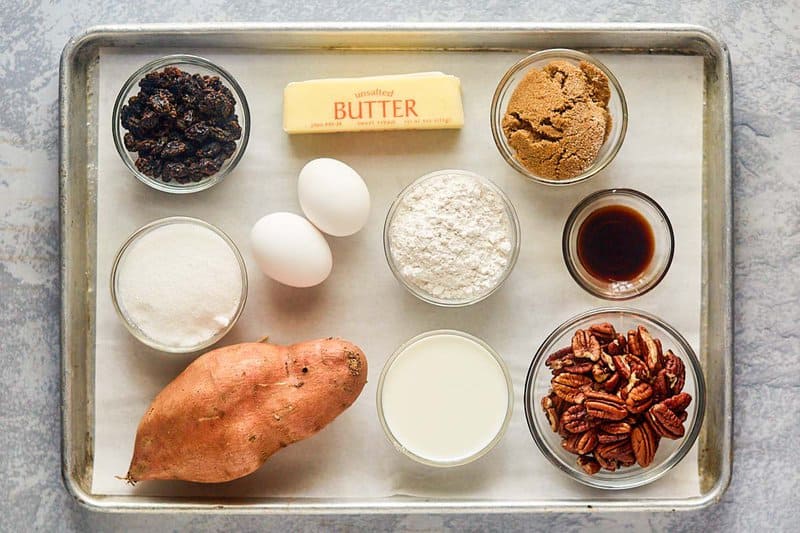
{"x":418,"y":458}
{"x":136,"y":332}
{"x":133,"y":80}
{"x":496,"y":115}
{"x":513,"y":222}
{"x":651,"y":473}
{"x":569,"y":226}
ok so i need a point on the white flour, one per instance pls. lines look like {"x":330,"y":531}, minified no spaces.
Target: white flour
{"x":180,"y":284}
{"x":451,"y":237}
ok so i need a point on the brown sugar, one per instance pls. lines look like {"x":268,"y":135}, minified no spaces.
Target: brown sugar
{"x":557,"y":119}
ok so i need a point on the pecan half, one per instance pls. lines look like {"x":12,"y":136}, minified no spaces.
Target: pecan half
{"x":640,"y":398}
{"x":660,"y":385}
{"x":678,"y":403}
{"x":622,"y":340}
{"x":576,"y":420}
{"x":560,"y":359}
{"x":645,"y":443}
{"x":629,"y":459}
{"x":611,"y":383}
{"x":621,"y":450}
{"x":608,"y":438}
{"x":633,"y":343}
{"x":550,"y":412}
{"x":568,"y":387}
{"x":622,"y":366}
{"x":585,"y":346}
{"x":649,"y":348}
{"x":613,"y":432}
{"x":613,"y":348}
{"x":607,"y":360}
{"x":583,"y":367}
{"x":608,"y":464}
{"x":676,"y":372}
{"x":604,"y":405}
{"x":616,"y":428}
{"x":604,"y":332}
{"x":637,"y":366}
{"x":665,"y":422}
{"x":600,"y":373}
{"x":588,"y":464}
{"x":581,"y":443}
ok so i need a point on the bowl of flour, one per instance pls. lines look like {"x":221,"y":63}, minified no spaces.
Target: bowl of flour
{"x":179,"y":284}
{"x":451,"y":238}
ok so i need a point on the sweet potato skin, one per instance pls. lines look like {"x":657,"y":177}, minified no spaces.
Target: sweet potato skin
{"x":233,"y":407}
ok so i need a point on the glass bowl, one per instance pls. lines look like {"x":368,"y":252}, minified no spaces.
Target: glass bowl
{"x":663,"y":244}
{"x":398,"y":444}
{"x":130,"y":324}
{"x":617,"y":107}
{"x":192,"y":65}
{"x":669,"y":452}
{"x":513,"y":235}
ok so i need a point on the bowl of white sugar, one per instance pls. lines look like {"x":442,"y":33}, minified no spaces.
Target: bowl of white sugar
{"x":451,"y":238}
{"x":179,"y":284}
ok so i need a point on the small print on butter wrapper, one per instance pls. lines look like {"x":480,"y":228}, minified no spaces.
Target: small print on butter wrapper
{"x":418,"y":101}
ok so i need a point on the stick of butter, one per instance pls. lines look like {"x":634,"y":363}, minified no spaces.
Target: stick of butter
{"x":421,"y":101}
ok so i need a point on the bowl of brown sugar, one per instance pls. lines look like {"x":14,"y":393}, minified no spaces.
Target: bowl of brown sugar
{"x":559,"y":116}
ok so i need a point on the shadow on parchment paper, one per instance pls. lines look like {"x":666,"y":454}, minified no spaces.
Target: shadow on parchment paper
{"x":487,"y":319}
{"x":293,"y":302}
{"x":404,"y":143}
{"x":411,"y":479}
{"x":151,"y":367}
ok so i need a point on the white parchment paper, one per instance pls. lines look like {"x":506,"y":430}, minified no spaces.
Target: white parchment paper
{"x":361,"y":301}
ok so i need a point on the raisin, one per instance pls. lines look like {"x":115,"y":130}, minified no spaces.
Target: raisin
{"x":148,"y":147}
{"x":162,"y":102}
{"x":197,"y":132}
{"x":213,"y":82}
{"x":175,"y":171}
{"x":149,"y":166}
{"x":218,"y":133}
{"x":150,"y":82}
{"x":209,"y":150}
{"x":129,"y":141}
{"x":228,"y":148}
{"x":186,"y":119}
{"x":128,"y":113}
{"x":174,"y":149}
{"x":208,"y":167}
{"x":234,"y":130}
{"x":216,"y":103}
{"x":149,"y":120}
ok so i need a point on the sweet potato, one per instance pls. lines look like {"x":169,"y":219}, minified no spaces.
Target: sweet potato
{"x":234,"y":407}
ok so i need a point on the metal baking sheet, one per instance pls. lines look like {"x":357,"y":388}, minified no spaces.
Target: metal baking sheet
{"x":78,"y":175}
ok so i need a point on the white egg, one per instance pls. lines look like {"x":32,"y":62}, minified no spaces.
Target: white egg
{"x":333,"y":196}
{"x":290,"y":250}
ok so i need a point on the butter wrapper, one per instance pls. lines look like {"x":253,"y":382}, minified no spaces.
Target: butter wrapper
{"x":420,"y":101}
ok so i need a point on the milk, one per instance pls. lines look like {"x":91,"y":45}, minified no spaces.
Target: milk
{"x":445,"y":398}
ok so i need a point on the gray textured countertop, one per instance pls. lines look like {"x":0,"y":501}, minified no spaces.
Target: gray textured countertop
{"x":764,"y":39}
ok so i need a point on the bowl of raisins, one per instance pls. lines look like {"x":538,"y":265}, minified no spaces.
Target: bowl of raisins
{"x":181,"y":123}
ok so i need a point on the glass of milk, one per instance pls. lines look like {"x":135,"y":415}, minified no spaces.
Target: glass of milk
{"x":444,"y":398}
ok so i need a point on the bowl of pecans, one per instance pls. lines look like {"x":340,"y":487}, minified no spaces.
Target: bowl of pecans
{"x":615,"y":398}
{"x":181,"y":123}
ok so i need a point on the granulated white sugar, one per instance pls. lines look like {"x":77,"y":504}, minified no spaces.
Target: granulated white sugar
{"x":180,"y":284}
